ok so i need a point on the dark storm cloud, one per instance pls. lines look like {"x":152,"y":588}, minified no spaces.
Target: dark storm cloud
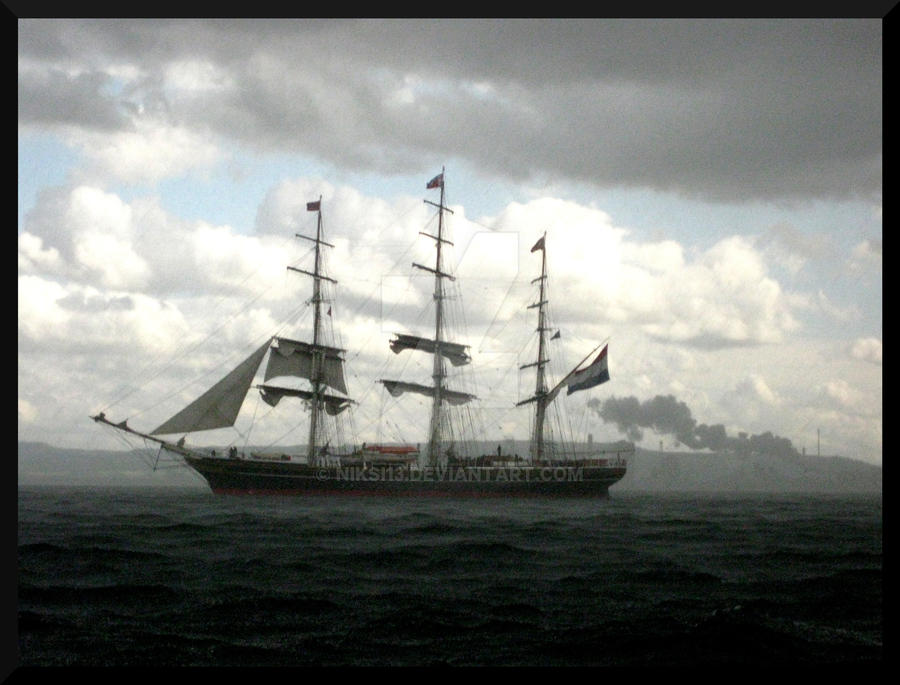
{"x":668,"y":416}
{"x":57,"y":98}
{"x":718,"y":109}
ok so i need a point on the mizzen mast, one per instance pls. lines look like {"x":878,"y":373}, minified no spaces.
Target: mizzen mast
{"x":541,"y":397}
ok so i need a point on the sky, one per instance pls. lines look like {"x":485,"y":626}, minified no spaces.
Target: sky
{"x":711,"y":192}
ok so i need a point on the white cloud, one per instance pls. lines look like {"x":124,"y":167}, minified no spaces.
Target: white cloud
{"x":71,"y":317}
{"x":27,"y":411}
{"x":722,"y":297}
{"x":34,"y":258}
{"x":197,"y":76}
{"x":843,"y":394}
{"x":225,"y":290}
{"x":866,"y":256}
{"x":152,"y":150}
{"x":867,"y":349}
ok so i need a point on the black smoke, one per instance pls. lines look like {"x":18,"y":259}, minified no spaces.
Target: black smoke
{"x":668,"y":416}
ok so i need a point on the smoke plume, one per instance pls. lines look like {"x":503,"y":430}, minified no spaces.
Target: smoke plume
{"x":668,"y":416}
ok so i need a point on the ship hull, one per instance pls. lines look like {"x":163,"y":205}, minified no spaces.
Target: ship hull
{"x":247,"y":477}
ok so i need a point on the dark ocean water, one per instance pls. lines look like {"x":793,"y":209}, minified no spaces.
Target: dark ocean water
{"x":183,"y":578}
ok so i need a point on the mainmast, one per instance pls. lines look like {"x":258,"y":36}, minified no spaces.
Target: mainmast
{"x":441,"y":348}
{"x":439,"y":371}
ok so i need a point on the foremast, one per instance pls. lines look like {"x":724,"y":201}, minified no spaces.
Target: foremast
{"x":316,"y":401}
{"x":319,"y":363}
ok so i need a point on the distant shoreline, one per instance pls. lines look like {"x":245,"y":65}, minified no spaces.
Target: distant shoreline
{"x":648,"y":471}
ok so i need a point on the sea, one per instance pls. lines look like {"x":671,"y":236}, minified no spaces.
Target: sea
{"x":170,"y":577}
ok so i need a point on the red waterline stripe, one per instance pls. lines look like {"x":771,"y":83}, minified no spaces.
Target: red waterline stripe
{"x":397,"y":493}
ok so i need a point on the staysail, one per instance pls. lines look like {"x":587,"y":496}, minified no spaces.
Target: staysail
{"x":218,"y":407}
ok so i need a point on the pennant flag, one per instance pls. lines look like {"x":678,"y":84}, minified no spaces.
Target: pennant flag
{"x":313,"y":206}
{"x":436,"y":182}
{"x":555,"y":336}
{"x":539,"y":245}
{"x":329,"y":311}
{"x":588,"y":377}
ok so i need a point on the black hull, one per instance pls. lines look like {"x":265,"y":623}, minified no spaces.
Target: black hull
{"x":246,"y":477}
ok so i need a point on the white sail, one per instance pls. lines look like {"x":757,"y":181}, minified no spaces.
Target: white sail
{"x":455,"y":352}
{"x":397,"y":388}
{"x":295,"y":359}
{"x":272,"y":395}
{"x":218,"y":407}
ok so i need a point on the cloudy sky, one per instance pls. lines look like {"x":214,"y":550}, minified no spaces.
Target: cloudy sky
{"x":711,"y":193}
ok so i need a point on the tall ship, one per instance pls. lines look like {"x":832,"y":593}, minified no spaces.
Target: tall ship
{"x":441,"y":464}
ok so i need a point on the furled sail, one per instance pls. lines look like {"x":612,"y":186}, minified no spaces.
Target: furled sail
{"x":272,"y":395}
{"x":218,"y":407}
{"x":397,"y":388}
{"x":455,"y":352}
{"x":294,"y":358}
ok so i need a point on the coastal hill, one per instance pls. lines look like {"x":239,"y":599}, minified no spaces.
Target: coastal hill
{"x":648,"y":471}
{"x":717,"y":472}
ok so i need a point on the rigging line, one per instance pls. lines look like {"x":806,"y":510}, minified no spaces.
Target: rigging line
{"x":298,"y":309}
{"x":383,"y":315}
{"x":253,"y":419}
{"x":399,"y":433}
{"x":282,"y":436}
{"x":174,"y":360}
{"x":195,"y":380}
{"x":403,"y":255}
{"x":369,"y":425}
{"x":188,"y":349}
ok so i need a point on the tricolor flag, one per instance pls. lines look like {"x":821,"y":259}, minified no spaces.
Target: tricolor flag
{"x":539,"y":245}
{"x":592,"y":375}
{"x":313,"y":206}
{"x":436,"y":182}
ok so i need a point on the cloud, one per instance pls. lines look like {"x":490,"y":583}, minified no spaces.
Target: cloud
{"x":867,"y":349}
{"x":700,"y":108}
{"x":27,"y":411}
{"x":150,"y":152}
{"x":73,"y":318}
{"x":791,"y":247}
{"x":186,"y":295}
{"x":866,"y":256}
{"x":843,"y":394}
{"x":724,"y":297}
{"x":34,"y":258}
{"x":50,"y":96}
{"x":84,"y":238}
